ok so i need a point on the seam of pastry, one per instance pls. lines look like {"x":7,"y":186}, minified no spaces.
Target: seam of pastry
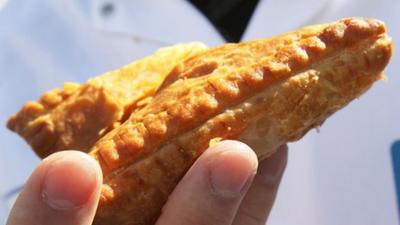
{"x":323,"y":55}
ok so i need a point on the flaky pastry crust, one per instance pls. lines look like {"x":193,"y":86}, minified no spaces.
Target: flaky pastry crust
{"x":248,"y":91}
{"x":76,"y":116}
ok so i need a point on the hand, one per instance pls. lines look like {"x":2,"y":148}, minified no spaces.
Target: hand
{"x":220,"y":188}
{"x":63,"y":190}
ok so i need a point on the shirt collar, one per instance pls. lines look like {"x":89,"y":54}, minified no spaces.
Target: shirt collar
{"x":162,"y":21}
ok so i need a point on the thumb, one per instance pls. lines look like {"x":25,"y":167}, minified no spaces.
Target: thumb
{"x":63,"y":189}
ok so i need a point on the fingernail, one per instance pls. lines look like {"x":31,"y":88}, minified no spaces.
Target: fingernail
{"x":69,"y":181}
{"x":231,"y":171}
{"x":271,"y":168}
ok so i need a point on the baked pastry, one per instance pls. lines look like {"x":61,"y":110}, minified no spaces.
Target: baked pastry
{"x":240,"y":91}
{"x":265,"y":93}
{"x":77,"y":115}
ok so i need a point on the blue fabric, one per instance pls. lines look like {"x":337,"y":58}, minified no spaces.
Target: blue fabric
{"x":395,"y":150}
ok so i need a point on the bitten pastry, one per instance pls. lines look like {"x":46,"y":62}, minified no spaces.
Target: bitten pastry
{"x":265,"y":93}
{"x":76,"y":116}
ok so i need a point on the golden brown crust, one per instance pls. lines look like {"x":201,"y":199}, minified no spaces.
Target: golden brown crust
{"x":247,"y":91}
{"x":192,"y":101}
{"x":76,"y":116}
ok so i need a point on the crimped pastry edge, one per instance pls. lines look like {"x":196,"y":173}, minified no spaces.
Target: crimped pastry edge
{"x":181,"y":145}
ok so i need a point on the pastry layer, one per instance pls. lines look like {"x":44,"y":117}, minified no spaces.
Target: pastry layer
{"x":76,"y":116}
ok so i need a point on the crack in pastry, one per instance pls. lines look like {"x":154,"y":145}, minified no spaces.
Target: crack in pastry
{"x":76,"y":116}
{"x":265,"y":100}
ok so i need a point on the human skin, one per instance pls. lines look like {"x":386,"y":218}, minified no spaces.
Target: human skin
{"x":226,"y":185}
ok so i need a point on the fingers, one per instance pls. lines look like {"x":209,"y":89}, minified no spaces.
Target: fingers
{"x":64,"y":189}
{"x":258,"y":201}
{"x":211,"y":191}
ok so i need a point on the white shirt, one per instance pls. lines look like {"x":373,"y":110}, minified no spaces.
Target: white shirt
{"x":342,"y":175}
